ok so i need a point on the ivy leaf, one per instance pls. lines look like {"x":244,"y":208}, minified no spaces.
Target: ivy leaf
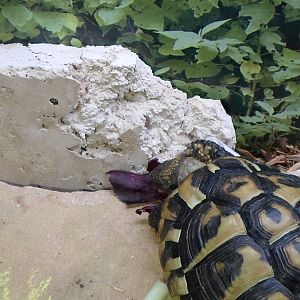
{"x":269,"y":39}
{"x":108,"y":16}
{"x":174,"y":64}
{"x":212,"y":26}
{"x":268,"y":93}
{"x":202,"y":7}
{"x":18,"y":15}
{"x":247,"y":91}
{"x":236,"y":32}
{"x":252,"y":119}
{"x":184,"y":39}
{"x":292,"y":56}
{"x":161,"y":71}
{"x":291,"y":14}
{"x":293,"y":88}
{"x":213,"y":92}
{"x":147,"y":15}
{"x":207,"y":51}
{"x":167,"y":47}
{"x":260,"y":13}
{"x":76,"y":43}
{"x":30,"y":29}
{"x":265,"y":106}
{"x":248,"y":69}
{"x":171,"y":10}
{"x":236,"y":54}
{"x":54,"y":21}
{"x":283,"y":75}
{"x":6,"y":36}
{"x":293,"y":3}
{"x":229,"y":79}
{"x":125,"y":3}
{"x":255,"y":57}
{"x":70,"y":21}
{"x":65,"y":5}
{"x":217,"y":92}
{"x":208,"y":69}
{"x":225,"y":42}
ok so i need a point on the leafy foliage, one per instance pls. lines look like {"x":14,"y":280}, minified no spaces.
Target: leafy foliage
{"x":243,"y":52}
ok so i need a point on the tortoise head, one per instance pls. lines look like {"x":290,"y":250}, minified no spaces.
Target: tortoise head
{"x":168,"y":175}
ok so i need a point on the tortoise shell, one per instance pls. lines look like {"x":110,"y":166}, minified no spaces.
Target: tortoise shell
{"x":231,"y":231}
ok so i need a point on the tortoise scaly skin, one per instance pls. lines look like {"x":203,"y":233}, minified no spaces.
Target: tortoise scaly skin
{"x":231,"y":231}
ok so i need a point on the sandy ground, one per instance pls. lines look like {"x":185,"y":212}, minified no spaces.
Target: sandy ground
{"x":79,"y":245}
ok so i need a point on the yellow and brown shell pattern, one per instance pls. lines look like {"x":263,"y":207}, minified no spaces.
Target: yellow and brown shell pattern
{"x":231,"y":231}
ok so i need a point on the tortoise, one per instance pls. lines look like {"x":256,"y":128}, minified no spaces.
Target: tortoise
{"x":229,"y":229}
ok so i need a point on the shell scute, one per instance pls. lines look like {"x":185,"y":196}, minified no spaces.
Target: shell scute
{"x":238,"y":234}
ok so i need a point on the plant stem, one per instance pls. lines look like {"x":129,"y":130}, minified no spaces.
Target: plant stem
{"x":254,"y":83}
{"x":251,"y":100}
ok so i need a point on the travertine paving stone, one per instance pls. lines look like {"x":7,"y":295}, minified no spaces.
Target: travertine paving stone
{"x":88,"y":243}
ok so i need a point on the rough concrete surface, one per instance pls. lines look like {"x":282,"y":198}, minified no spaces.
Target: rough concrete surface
{"x":68,"y":115}
{"x":87,"y":245}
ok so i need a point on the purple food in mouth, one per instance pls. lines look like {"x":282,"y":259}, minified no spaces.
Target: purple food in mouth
{"x":133,"y":188}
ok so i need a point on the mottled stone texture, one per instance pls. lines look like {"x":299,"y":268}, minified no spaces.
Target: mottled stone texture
{"x":87,"y":245}
{"x":69,"y":115}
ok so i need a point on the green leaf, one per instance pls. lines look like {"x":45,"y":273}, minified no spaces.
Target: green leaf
{"x":247,"y":91}
{"x":248,"y":69}
{"x":293,"y":3}
{"x":217,"y":92}
{"x":269,"y":39}
{"x":230,"y":79}
{"x":202,"y":7}
{"x":260,"y":13}
{"x":65,"y":5}
{"x":208,"y":69}
{"x":6,"y":36}
{"x":291,"y":14}
{"x":76,"y":43}
{"x":292,"y":56}
{"x":147,"y":15}
{"x":273,"y":68}
{"x":70,"y":21}
{"x":171,"y":10}
{"x":265,"y":106}
{"x":236,"y":32}
{"x":268,"y":93}
{"x":236,"y":54}
{"x":212,"y":26}
{"x":213,"y":92}
{"x":255,"y":57}
{"x":175,"y":64}
{"x":30,"y":29}
{"x":108,"y":16}
{"x":293,"y":88}
{"x":167,"y":47}
{"x":18,"y":15}
{"x":207,"y":51}
{"x":54,"y":21}
{"x":184,"y":39}
{"x":91,"y":5}
{"x":225,"y":42}
{"x":252,"y":119}
{"x":161,"y":71}
{"x":283,"y":75}
{"x":124,"y":3}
